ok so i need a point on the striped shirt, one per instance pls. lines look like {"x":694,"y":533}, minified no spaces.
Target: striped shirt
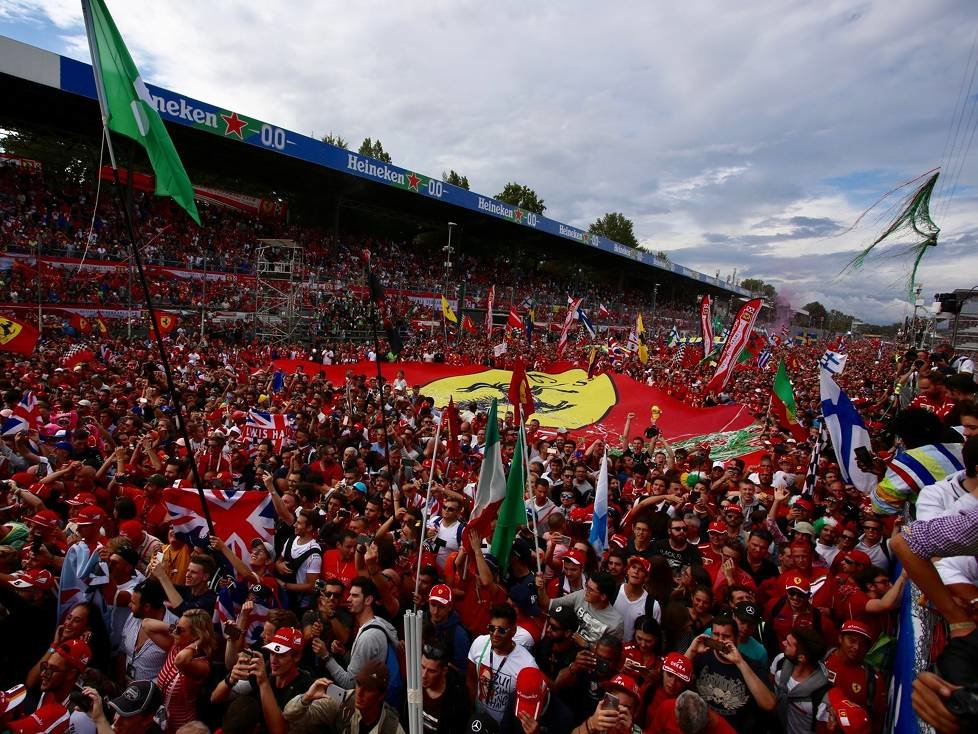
{"x":910,"y":471}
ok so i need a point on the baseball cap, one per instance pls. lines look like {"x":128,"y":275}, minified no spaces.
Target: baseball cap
{"x":800,"y":583}
{"x":12,"y":698}
{"x":92,"y":515}
{"x":82,"y":498}
{"x":46,"y":518}
{"x":803,"y":504}
{"x":440,"y":594}
{"x":76,"y":651}
{"x":360,"y":487}
{"x":856,"y":627}
{"x":373,"y":675}
{"x":566,"y":617}
{"x":574,"y":556}
{"x":733,"y":508}
{"x":679,"y":665}
{"x":747,"y":611}
{"x":624,"y":683}
{"x":132,"y":529}
{"x":645,"y":563}
{"x":804,"y":527}
{"x":852,"y":718}
{"x":51,"y":718}
{"x":718,"y":465}
{"x":39,"y":578}
{"x":269,"y":548}
{"x":531,"y":692}
{"x":140,"y":697}
{"x":525,"y":598}
{"x":856,"y":556}
{"x":286,"y":639}
{"x":717,"y":526}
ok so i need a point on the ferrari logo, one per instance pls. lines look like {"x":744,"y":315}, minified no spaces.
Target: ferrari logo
{"x":8,"y":330}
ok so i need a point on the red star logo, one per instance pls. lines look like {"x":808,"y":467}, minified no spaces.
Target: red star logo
{"x":235,"y":125}
{"x":413,"y":181}
{"x":518,"y":215}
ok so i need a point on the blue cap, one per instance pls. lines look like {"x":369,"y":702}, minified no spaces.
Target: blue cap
{"x":63,"y":445}
{"x":360,"y":487}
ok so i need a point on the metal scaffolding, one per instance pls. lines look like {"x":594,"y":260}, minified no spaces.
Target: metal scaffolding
{"x":279,"y":270}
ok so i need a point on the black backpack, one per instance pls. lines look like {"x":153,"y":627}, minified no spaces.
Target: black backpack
{"x":815,"y":696}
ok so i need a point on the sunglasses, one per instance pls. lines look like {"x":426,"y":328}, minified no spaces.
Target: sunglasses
{"x":493,"y":629}
{"x":797,"y":594}
{"x":332,"y":594}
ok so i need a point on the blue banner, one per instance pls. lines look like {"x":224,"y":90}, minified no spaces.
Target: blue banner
{"x":77,"y":78}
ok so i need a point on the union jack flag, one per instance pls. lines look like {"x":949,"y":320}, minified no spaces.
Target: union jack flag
{"x":276,"y":427}
{"x":239,"y":516}
{"x":229,"y":602}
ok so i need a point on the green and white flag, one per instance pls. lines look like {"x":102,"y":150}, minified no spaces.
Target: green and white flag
{"x":491,"y":488}
{"x":127,"y":107}
{"x":512,"y":512}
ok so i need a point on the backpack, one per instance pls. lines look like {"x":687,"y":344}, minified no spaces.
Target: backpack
{"x":781,"y":679}
{"x":395,"y":688}
{"x":293,"y":599}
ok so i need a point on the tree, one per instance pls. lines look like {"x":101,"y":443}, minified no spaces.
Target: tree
{"x":616,"y":227}
{"x":759,"y":287}
{"x":336,"y":140}
{"x":523,"y":197}
{"x":374,"y":149}
{"x":456,"y":179}
{"x":662,"y":255}
{"x":816,"y":312}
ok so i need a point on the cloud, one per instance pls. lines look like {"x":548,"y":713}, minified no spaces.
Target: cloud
{"x":740,"y":137}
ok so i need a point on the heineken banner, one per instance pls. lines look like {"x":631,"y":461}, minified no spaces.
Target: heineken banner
{"x":565,"y":398}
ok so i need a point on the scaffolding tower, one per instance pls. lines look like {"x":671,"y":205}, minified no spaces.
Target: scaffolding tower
{"x":279,"y":271}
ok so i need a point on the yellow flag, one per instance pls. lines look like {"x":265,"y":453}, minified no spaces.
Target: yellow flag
{"x":643,"y":350}
{"x":446,"y":311}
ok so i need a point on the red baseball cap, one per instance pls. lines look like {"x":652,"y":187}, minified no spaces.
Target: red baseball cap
{"x":804,"y":504}
{"x":82,"y":498}
{"x":733,"y":508}
{"x":286,"y":639}
{"x":619,"y":540}
{"x":89,"y":515}
{"x":856,"y":627}
{"x":531,"y":692}
{"x":39,"y":578}
{"x":679,"y":665}
{"x":798,"y":582}
{"x":645,"y":563}
{"x":440,"y":594}
{"x":76,"y":651}
{"x":51,"y":718}
{"x":856,"y":556}
{"x":46,"y":518}
{"x":132,"y":529}
{"x":717,"y":526}
{"x":574,"y":556}
{"x":624,"y":683}
{"x":852,"y":718}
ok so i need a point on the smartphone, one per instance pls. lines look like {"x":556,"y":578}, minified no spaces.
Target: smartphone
{"x":715,"y":644}
{"x":364,"y":539}
{"x":862,"y":455}
{"x":158,"y":558}
{"x":335,"y":692}
{"x":610,"y":701}
{"x":564,"y":540}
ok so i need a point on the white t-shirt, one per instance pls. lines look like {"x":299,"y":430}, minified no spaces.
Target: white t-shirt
{"x":496,"y":675}
{"x":799,"y":710}
{"x":632,"y":610}
{"x":447,"y":540}
{"x":312,"y":566}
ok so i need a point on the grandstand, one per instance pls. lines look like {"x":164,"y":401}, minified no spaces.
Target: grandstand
{"x":336,"y":190}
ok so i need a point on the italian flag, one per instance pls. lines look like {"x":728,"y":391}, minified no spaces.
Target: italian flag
{"x":783,"y":404}
{"x":491,"y":488}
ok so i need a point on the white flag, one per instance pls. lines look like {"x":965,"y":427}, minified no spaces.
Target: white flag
{"x":833,"y":362}
{"x":499,"y":350}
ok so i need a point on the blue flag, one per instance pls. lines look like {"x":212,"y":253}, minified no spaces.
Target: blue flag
{"x":599,"y":521}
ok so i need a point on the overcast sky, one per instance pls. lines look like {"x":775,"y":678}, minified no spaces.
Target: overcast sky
{"x":735,"y":135}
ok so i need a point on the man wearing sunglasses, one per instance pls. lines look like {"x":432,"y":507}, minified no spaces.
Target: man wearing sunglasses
{"x":494,"y":662}
{"x":793,"y":610}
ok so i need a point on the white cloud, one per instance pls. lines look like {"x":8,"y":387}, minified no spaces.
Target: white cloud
{"x":699,"y":121}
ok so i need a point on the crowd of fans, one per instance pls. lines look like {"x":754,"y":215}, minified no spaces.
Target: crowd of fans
{"x":731,"y":597}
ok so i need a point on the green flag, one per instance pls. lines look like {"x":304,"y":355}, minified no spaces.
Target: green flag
{"x":127,"y":107}
{"x":512,"y":512}
{"x":783,"y":404}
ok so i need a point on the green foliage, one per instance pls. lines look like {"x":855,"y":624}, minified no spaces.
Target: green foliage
{"x":456,"y":179}
{"x":662,"y":255}
{"x":374,"y":149}
{"x":616,"y":227}
{"x":759,"y":287}
{"x":336,"y":140}
{"x":522,"y":196}
{"x":816,"y":311}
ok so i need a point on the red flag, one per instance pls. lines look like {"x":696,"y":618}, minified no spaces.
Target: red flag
{"x":706,"y":326}
{"x":603,"y":311}
{"x":100,"y":326}
{"x":166,"y":322}
{"x":740,"y":332}
{"x":514,"y":321}
{"x":17,"y":336}
{"x":568,"y":320}
{"x":75,"y":355}
{"x":468,"y":325}
{"x":80,"y":324}
{"x":520,"y":394}
{"x":454,"y":421}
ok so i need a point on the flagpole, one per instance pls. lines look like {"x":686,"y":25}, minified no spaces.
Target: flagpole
{"x":426,"y":512}
{"x":380,"y":376}
{"x":533,"y":511}
{"x":175,"y":400}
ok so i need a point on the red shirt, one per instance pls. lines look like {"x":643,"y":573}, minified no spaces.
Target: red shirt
{"x":335,"y":567}
{"x":783,"y":620}
{"x":941,"y":409}
{"x":854,"y":682}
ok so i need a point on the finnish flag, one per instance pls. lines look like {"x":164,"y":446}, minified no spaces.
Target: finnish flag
{"x":833,"y":362}
{"x":598,"y":537}
{"x":847,"y":431}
